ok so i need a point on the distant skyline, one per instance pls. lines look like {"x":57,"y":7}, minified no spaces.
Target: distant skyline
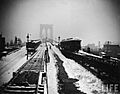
{"x":90,"y":20}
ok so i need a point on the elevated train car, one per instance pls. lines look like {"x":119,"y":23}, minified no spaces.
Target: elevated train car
{"x":70,"y":44}
{"x":32,"y":45}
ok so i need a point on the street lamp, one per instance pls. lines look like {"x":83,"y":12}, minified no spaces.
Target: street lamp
{"x":27,"y":44}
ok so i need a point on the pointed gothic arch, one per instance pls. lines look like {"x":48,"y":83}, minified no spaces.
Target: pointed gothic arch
{"x":48,"y":28}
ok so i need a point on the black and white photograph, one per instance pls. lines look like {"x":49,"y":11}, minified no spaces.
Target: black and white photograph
{"x":59,"y":46}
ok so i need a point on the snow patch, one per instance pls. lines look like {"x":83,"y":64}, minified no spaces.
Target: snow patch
{"x":88,"y":83}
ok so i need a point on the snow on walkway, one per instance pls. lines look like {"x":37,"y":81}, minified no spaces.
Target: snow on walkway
{"x":52,"y":75}
{"x":88,"y":83}
{"x":11,"y":57}
{"x":10,"y":64}
{"x":7,"y":75}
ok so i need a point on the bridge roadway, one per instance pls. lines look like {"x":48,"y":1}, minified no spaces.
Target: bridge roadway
{"x":10,"y":64}
{"x":28,"y":77}
{"x":62,"y":75}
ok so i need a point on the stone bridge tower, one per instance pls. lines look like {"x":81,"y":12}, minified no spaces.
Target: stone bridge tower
{"x":46,"y":32}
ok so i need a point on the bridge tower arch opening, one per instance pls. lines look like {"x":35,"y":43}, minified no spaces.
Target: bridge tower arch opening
{"x":46,"y":32}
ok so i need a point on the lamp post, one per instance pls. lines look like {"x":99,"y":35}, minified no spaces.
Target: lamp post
{"x":27,"y":44}
{"x":58,"y":39}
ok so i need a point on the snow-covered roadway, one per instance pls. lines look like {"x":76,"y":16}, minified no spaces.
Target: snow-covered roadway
{"x":10,"y":64}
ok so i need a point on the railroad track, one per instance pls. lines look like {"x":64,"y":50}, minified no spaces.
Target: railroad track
{"x":30,"y":78}
{"x":108,"y":73}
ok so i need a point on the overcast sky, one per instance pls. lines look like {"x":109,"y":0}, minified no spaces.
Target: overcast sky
{"x":90,"y":20}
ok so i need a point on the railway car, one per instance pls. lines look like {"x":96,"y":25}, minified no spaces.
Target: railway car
{"x":32,"y":45}
{"x":70,"y":44}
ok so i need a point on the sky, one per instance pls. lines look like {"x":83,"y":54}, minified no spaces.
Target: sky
{"x":89,"y":20}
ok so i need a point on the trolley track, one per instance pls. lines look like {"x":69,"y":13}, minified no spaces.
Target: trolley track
{"x":29,"y":78}
{"x":102,"y":69}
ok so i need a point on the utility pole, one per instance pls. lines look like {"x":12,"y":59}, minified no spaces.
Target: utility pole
{"x":59,"y":39}
{"x":27,"y":44}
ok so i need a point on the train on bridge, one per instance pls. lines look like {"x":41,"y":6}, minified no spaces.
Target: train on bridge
{"x":70,"y":44}
{"x":32,"y":45}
